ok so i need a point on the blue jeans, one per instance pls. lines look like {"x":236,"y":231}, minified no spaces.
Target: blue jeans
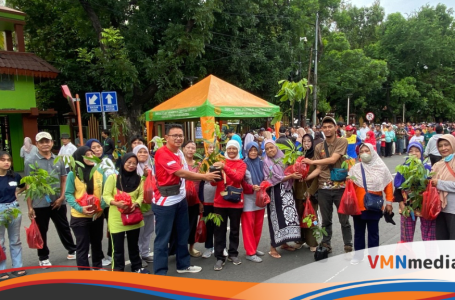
{"x":378,"y":147}
{"x":167,"y":217}
{"x":400,"y":146}
{"x":14,"y":229}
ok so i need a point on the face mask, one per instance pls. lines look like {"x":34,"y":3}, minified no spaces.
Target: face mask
{"x":448,"y":158}
{"x":366,"y":158}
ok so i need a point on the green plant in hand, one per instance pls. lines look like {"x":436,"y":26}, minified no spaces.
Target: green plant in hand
{"x":40,"y":183}
{"x":291,"y":153}
{"x":8,"y":215}
{"x":416,"y":181}
{"x":311,"y":222}
{"x":205,"y":162}
{"x":215,"y":218}
{"x":74,"y":165}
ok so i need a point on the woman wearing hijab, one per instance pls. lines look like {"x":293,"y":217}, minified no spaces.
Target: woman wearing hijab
{"x":253,"y":215}
{"x":87,"y":224}
{"x":301,"y":191}
{"x":233,"y":171}
{"x":155,"y":144}
{"x":145,"y":236}
{"x":371,"y":139}
{"x":378,"y":180}
{"x":107,"y":168}
{"x":444,"y":180}
{"x":427,"y":227}
{"x":28,"y":150}
{"x":127,"y":181}
{"x":284,"y":223}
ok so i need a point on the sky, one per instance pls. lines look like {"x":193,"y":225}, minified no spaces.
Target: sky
{"x":403,"y":6}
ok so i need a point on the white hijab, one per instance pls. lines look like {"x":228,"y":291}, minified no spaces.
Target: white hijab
{"x":141,"y":165}
{"x":236,"y":145}
{"x":376,"y":172}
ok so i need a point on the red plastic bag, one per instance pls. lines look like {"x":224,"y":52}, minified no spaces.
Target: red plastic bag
{"x":431,"y":204}
{"x":149,"y":187}
{"x":262,"y":198}
{"x":90,"y":200}
{"x":349,"y":204}
{"x":126,"y":198}
{"x":201,"y":231}
{"x":2,"y":254}
{"x":34,"y":239}
{"x":191,"y":193}
{"x":298,"y":167}
{"x":309,"y":210}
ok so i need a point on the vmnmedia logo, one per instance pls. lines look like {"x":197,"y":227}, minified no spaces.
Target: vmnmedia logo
{"x":402,"y":262}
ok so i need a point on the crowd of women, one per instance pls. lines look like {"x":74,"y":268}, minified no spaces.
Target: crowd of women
{"x":181,"y":194}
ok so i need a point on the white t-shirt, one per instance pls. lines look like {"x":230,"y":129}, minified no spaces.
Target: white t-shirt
{"x":419,"y":139}
{"x":67,"y":150}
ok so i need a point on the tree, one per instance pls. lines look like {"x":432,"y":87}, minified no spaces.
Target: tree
{"x":293,"y":92}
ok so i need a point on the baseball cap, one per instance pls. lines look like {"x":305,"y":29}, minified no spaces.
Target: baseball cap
{"x":329,"y":119}
{"x":43,"y":135}
{"x":349,"y":128}
{"x":65,"y":136}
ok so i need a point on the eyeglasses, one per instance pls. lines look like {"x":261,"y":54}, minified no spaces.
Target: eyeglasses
{"x":176,"y":136}
{"x":133,"y":164}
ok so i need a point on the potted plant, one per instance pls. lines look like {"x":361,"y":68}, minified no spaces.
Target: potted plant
{"x":415,"y":183}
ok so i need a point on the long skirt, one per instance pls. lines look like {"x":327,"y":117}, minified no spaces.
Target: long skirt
{"x":282,"y":215}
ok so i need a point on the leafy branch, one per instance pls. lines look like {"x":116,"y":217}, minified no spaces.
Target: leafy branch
{"x":215,"y":218}
{"x":291,"y":153}
{"x":311,"y":221}
{"x":8,"y":215}
{"x":40,"y":183}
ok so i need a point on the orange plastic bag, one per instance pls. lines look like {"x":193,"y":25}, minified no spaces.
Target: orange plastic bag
{"x":149,"y":187}
{"x":262,"y":198}
{"x":431,"y":204}
{"x":349,"y":204}
{"x":201,"y":231}
{"x":34,"y":239}
{"x":298,"y":167}
{"x":309,"y":210}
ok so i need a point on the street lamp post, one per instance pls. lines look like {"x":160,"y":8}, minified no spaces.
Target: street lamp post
{"x":349,"y":95}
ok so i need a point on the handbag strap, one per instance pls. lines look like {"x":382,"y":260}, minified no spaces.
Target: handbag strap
{"x":364,"y":178}
{"x":450,"y":169}
{"x":328,"y":154}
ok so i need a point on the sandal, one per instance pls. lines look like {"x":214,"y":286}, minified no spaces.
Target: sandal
{"x":6,"y":275}
{"x":287,"y":247}
{"x":195,"y":253}
{"x":274,"y":254}
{"x":19,"y":273}
{"x":299,"y":246}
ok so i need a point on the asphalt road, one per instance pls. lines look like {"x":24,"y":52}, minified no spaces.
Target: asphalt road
{"x":247,"y":271}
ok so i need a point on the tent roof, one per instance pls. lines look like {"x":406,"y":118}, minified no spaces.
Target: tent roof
{"x":212,"y":97}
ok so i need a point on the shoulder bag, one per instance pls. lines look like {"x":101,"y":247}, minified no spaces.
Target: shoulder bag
{"x":231,"y":193}
{"x":371,"y":202}
{"x":336,"y":174}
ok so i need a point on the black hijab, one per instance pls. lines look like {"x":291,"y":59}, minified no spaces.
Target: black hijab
{"x":310,"y":152}
{"x":78,"y":155}
{"x":128,"y":181}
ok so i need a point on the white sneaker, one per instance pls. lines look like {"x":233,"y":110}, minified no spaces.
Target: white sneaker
{"x":356,"y":260}
{"x":71,"y":256}
{"x":225,"y":253}
{"x":106,"y":261}
{"x":190,"y":269}
{"x":45,"y":264}
{"x":207,"y":253}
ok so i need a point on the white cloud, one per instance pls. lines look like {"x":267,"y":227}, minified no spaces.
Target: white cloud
{"x":403,"y":6}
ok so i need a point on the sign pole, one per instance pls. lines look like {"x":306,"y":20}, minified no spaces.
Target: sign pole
{"x":104,"y":118}
{"x":79,"y":120}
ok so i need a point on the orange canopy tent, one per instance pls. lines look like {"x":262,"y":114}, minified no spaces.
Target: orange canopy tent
{"x":210,"y":98}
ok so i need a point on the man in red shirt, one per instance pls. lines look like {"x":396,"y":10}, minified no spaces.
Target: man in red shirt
{"x":169,"y":204}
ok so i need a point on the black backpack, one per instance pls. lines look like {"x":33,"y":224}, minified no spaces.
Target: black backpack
{"x":321,"y":253}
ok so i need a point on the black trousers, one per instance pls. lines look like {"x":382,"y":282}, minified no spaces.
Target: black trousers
{"x":58,"y":217}
{"x":193,"y":213}
{"x":445,"y":226}
{"x":132,"y":237}
{"x":388,"y":149}
{"x":434,"y":158}
{"x":234,"y":215}
{"x":109,"y":242}
{"x":209,"y":226}
{"x":88,"y":233}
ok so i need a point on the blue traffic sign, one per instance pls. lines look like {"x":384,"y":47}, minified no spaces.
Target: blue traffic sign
{"x":109,"y":101}
{"x":93,"y":101}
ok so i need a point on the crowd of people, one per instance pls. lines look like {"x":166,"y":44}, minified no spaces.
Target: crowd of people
{"x":179,"y":193}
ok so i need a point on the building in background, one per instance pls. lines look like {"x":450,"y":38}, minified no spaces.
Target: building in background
{"x":19,"y":71}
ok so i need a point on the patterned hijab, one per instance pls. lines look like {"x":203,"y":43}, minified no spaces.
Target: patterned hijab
{"x":441,"y":169}
{"x":274,"y":168}
{"x":376,"y":172}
